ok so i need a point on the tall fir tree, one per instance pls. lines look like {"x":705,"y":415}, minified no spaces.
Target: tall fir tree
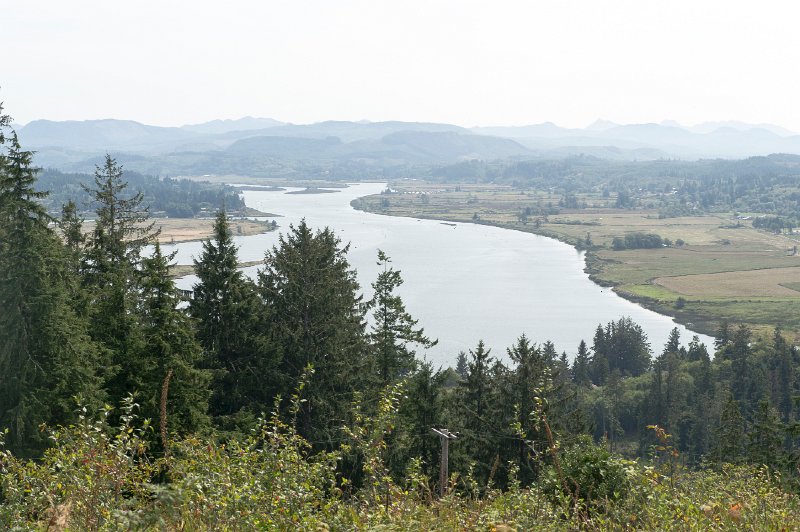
{"x":122,"y":225}
{"x":673,"y":344}
{"x":71,"y":228}
{"x":46,"y":356}
{"x":599,"y":367}
{"x":730,"y":433}
{"x":232,"y":329}
{"x":784,"y":376}
{"x":697,"y":350}
{"x":580,"y":366}
{"x":421,"y":411}
{"x":461,"y":365}
{"x":393,"y":331}
{"x":168,"y":374}
{"x":531,"y":377}
{"x":317,"y":319}
{"x":111,"y":264}
{"x":627,"y":347}
{"x":741,"y":365}
{"x":766,"y":437}
{"x":481,"y":416}
{"x":722,"y":337}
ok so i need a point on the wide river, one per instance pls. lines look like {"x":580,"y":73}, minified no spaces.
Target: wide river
{"x":463,"y":283}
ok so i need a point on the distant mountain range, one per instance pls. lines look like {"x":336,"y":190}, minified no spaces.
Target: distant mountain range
{"x":265,"y":145}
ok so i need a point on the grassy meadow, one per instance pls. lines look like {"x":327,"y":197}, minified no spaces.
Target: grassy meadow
{"x":724,"y":269}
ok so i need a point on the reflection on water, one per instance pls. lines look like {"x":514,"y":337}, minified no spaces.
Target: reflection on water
{"x":463,"y":282}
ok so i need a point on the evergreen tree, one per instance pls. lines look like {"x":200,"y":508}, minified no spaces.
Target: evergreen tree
{"x":741,"y":365}
{"x":168,"y":364}
{"x":393,"y":329}
{"x":476,"y":405}
{"x":599,"y":367}
{"x":696,"y":436}
{"x":627,"y":347}
{"x":674,"y":394}
{"x":673,"y":344}
{"x":655,"y":406}
{"x":730,"y":433}
{"x":111,"y":274}
{"x":71,"y":226}
{"x":122,"y":226}
{"x":216,"y":269}
{"x":562,"y":372}
{"x":531,"y":378}
{"x":46,"y":357}
{"x":721,"y":339}
{"x":531,"y":367}
{"x":765,"y":439}
{"x":611,"y":398}
{"x":784,"y":376}
{"x":232,"y":329}
{"x":421,"y":411}
{"x":622,"y":346}
{"x":697,"y":351}
{"x":461,"y":365}
{"x":317,"y":318}
{"x":475,"y":388}
{"x":580,"y":366}
{"x":548,"y":352}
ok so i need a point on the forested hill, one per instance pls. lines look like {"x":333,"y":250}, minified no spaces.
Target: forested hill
{"x":175,"y":198}
{"x":288,"y":401}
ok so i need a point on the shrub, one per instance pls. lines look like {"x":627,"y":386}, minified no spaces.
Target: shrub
{"x":92,"y":476}
{"x":593,"y":475}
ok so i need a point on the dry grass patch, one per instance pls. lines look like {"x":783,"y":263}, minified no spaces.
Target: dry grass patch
{"x":188,"y":229}
{"x":754,"y":283}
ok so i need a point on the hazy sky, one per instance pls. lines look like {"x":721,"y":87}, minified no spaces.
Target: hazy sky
{"x":495,"y":62}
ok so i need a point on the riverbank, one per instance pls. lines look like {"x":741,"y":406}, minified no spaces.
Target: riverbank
{"x":181,"y":230}
{"x":175,"y":230}
{"x":707,"y":279}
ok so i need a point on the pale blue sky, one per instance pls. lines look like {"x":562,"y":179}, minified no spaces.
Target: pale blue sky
{"x":471,"y":63}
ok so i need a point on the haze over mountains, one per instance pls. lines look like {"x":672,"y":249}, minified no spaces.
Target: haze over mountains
{"x":264,"y":145}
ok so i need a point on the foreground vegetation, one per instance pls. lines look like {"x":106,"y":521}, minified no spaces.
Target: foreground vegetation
{"x":707,"y":267}
{"x":102,"y":477}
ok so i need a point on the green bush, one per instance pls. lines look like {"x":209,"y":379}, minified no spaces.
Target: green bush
{"x":592,"y":476}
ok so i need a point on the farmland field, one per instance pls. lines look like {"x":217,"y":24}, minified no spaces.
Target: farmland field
{"x":752,"y":283}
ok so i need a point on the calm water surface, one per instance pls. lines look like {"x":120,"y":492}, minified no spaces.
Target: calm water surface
{"x":462,"y":283}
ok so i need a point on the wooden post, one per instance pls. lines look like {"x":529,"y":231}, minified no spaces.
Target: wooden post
{"x":445,"y":436}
